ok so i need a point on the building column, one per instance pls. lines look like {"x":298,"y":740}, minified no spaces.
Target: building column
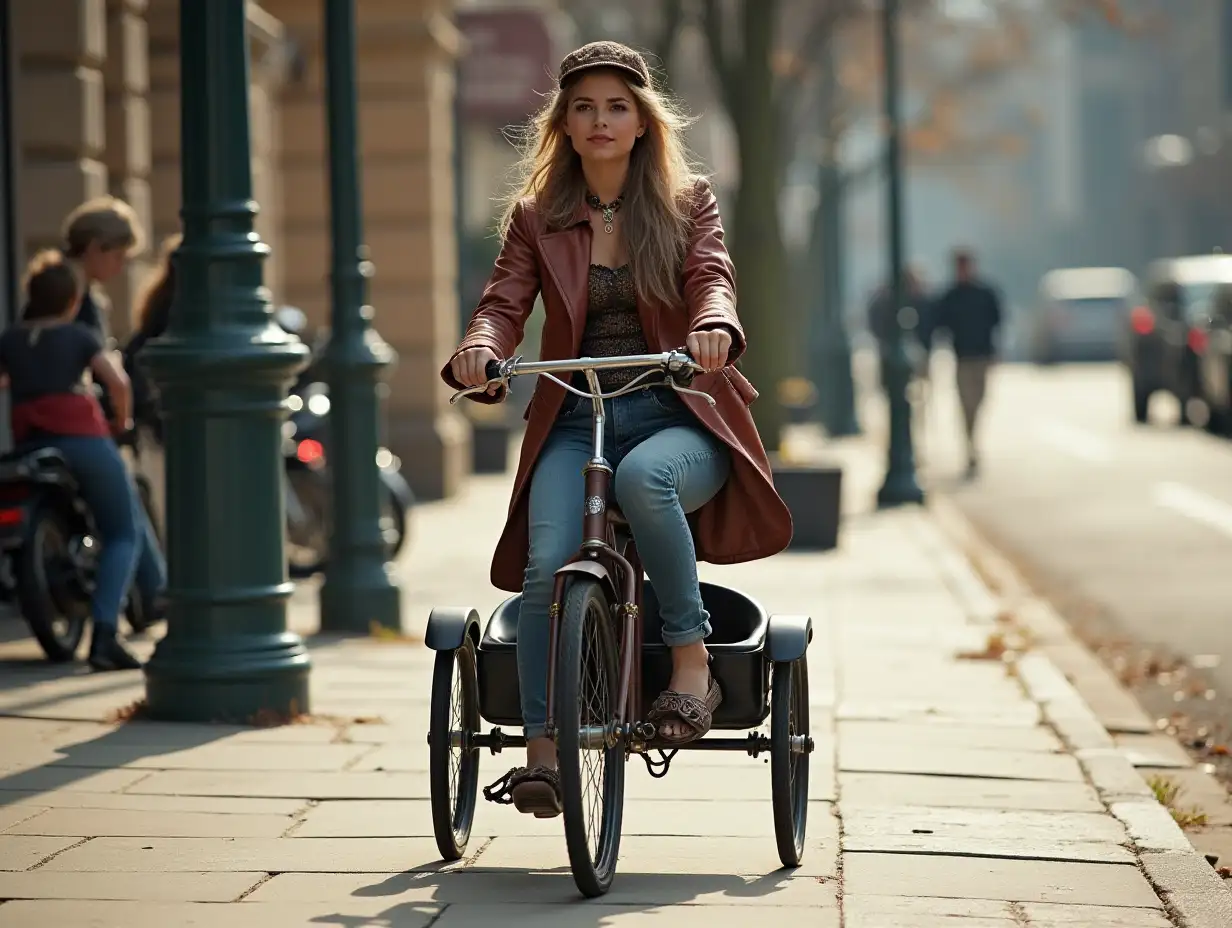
{"x":163,"y":102}
{"x":126,"y":79}
{"x":406,"y":91}
{"x":60,"y":133}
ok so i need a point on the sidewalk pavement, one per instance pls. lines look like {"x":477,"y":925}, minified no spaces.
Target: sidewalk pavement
{"x":944,"y":788}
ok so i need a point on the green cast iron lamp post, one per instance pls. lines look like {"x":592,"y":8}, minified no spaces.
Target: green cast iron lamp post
{"x":223,"y":369}
{"x":358,"y":590}
{"x":900,"y":486}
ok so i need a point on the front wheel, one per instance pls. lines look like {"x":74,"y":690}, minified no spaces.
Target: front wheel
{"x":52,"y":589}
{"x":590,"y":751}
{"x":790,"y":744}
{"x":453,"y":759}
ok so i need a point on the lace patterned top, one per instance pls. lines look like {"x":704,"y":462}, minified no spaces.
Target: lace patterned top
{"x":612,"y":324}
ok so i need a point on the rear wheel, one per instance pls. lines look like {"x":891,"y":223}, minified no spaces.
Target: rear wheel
{"x":453,"y":759}
{"x":52,"y":589}
{"x":790,"y":744}
{"x":591,"y":752}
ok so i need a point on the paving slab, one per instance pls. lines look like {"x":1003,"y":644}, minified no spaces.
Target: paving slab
{"x":1042,"y":915}
{"x":986,"y":832}
{"x":993,"y":878}
{"x":750,"y":818}
{"x":880,"y":789}
{"x":624,"y":916}
{"x":676,"y":855}
{"x":95,"y":914}
{"x":878,"y":756}
{"x":1154,"y":750}
{"x":951,"y":734}
{"x":223,"y":755}
{"x":21,"y":852}
{"x":20,"y":802}
{"x":973,"y":712}
{"x":275,"y":855}
{"x":12,"y":815}
{"x":143,"y":887}
{"x":79,"y":779}
{"x":924,"y":912}
{"x":290,"y":785}
{"x":128,"y":823}
{"x":515,"y":888}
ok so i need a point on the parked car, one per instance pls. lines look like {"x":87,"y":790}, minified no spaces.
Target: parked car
{"x":1215,"y":360}
{"x":1168,"y":333}
{"x":1080,"y":314}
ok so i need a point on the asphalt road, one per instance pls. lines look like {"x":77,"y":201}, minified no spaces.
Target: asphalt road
{"x":1127,"y":528}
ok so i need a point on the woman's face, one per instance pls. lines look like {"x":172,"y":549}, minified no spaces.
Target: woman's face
{"x":103,"y":264}
{"x":602,"y":120}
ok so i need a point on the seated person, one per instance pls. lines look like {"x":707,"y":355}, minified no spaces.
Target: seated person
{"x":44,"y":358}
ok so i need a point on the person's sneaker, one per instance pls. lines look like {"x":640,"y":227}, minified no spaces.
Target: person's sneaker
{"x":108,"y":653}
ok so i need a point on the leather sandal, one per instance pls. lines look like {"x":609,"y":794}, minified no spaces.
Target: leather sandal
{"x":696,"y":714}
{"x":533,"y":790}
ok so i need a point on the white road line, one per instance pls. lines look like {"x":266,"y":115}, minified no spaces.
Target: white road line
{"x":1195,"y":505}
{"x":1071,"y":440}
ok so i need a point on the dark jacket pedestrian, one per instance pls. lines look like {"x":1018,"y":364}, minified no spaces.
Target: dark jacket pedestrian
{"x":970,"y":311}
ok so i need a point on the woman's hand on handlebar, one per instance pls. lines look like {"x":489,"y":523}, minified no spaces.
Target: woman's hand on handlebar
{"x":709,"y":348}
{"x":469,"y":367}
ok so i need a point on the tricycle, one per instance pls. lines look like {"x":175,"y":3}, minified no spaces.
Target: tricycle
{"x":606,"y":663}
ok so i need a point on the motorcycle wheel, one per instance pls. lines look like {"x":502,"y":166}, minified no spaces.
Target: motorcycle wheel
{"x":50,"y":591}
{"x":308,"y":530}
{"x":308,"y":533}
{"x":398,"y":501}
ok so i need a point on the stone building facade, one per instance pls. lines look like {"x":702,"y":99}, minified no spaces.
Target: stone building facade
{"x":93,"y":107}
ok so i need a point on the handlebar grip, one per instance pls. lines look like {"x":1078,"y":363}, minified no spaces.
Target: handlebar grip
{"x":492,"y":370}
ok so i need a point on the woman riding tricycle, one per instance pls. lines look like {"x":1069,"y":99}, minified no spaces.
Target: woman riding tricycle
{"x":625,"y":245}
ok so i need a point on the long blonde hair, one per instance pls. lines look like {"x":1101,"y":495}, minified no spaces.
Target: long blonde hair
{"x":658,"y":189}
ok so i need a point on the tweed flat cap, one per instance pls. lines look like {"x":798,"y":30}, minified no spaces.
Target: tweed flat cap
{"x":605,"y":55}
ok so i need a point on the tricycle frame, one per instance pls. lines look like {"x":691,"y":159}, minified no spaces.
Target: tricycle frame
{"x":608,"y":557}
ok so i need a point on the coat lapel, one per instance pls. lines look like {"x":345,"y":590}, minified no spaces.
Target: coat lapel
{"x":566,"y":254}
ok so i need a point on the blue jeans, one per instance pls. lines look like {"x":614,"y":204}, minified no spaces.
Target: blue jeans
{"x":666,"y":465}
{"x":130,"y":550}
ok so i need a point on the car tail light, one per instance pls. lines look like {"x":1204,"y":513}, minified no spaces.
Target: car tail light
{"x":310,"y":451}
{"x":1196,"y":341}
{"x":1142,"y":320}
{"x":10,"y":517}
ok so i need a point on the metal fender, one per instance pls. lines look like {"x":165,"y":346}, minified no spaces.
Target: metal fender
{"x":597,"y":571}
{"x":448,"y":627}
{"x":788,"y":637}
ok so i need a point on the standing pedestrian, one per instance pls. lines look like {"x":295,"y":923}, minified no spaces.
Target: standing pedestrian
{"x":970,"y":311}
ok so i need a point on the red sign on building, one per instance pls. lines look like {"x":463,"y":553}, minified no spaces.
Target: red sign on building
{"x":507,"y":64}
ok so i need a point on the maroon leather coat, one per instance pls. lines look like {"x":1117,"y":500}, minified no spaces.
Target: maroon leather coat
{"x":746,"y":520}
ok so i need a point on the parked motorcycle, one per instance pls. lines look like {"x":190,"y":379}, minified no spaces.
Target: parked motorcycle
{"x":309,"y":494}
{"x":49,"y":550}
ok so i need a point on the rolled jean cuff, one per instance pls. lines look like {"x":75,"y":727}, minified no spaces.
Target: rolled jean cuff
{"x":535,"y":731}
{"x":688,"y":636}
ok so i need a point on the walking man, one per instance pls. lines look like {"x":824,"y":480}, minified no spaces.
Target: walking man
{"x":970,"y":311}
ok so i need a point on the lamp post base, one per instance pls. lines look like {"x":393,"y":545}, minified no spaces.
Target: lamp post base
{"x":237,"y":679}
{"x":355,"y":600}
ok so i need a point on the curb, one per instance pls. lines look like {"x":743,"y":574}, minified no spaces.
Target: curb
{"x":1187,"y":885}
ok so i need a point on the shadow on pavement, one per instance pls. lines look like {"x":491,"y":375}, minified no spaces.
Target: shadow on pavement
{"x":515,"y":898}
